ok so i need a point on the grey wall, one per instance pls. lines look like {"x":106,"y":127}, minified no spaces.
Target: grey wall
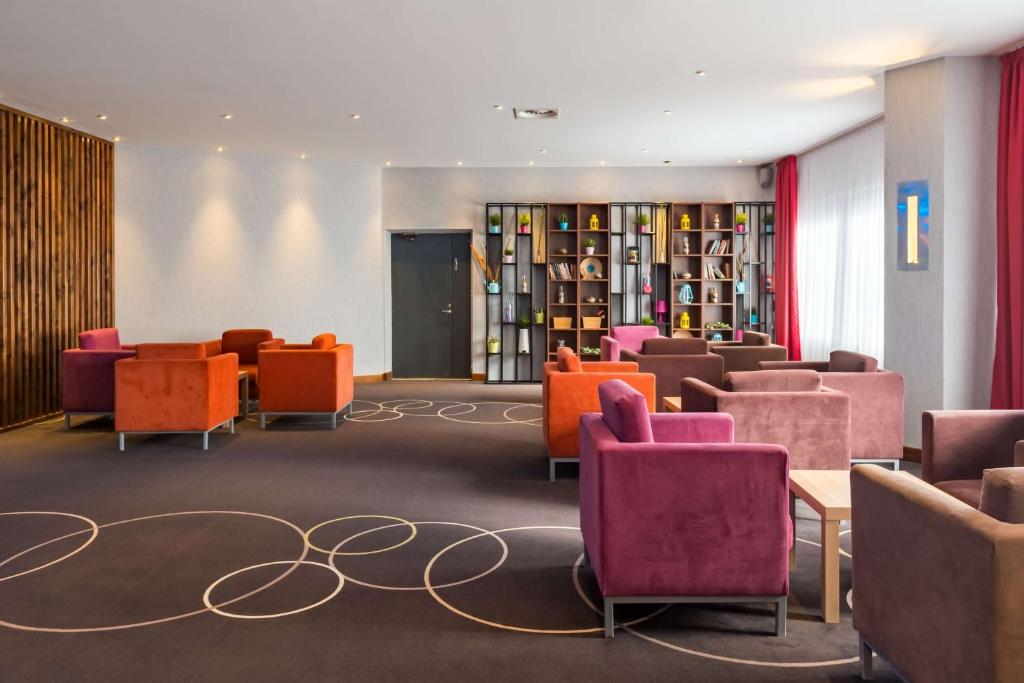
{"x":455,"y":198}
{"x":940,"y":126}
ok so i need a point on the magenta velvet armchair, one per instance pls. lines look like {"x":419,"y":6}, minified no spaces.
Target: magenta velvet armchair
{"x":876,"y":402}
{"x":87,"y":373}
{"x":671,"y":510}
{"x":788,"y":407}
{"x":626,"y":337}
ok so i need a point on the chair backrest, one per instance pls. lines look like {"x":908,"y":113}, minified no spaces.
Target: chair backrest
{"x":102,"y":339}
{"x":244,"y":343}
{"x":773,"y":380}
{"x":755,"y":339}
{"x":183,"y":351}
{"x":324,"y":341}
{"x":632,"y":337}
{"x":665,"y":346}
{"x":848,"y":361}
{"x":568,"y":361}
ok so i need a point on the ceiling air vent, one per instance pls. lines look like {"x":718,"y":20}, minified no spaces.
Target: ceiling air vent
{"x":539,"y":113}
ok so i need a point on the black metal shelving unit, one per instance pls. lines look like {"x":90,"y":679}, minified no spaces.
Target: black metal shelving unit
{"x":507,"y":365}
{"x":758,"y":266}
{"x":627,"y":292}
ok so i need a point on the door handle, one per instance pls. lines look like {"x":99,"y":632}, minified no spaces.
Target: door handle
{"x":447,"y":310}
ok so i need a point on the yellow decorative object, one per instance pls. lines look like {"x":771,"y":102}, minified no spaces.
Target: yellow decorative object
{"x":684,"y":222}
{"x":594,"y":224}
{"x":684,"y":320}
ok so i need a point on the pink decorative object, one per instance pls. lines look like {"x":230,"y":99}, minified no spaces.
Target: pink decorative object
{"x":662,"y":310}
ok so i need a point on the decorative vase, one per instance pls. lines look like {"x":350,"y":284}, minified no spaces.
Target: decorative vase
{"x":561,"y":294}
{"x":524,"y":285}
{"x":686,"y":244}
{"x":538,"y":317}
{"x":741,"y":227}
{"x":769,"y":228}
{"x":753,"y":318}
{"x":508,"y":258}
{"x":506,"y":311}
{"x":494,"y":229}
{"x":524,"y":340}
{"x":589,"y":251}
{"x":741,"y":287}
{"x":524,"y":228}
{"x":717,"y":222}
{"x":563,"y":225}
{"x":494,"y":288}
{"x":493,"y":346}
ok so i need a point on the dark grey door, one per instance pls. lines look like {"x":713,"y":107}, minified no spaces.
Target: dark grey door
{"x":430,"y":321}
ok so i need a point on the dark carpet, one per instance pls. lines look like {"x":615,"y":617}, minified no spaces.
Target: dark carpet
{"x":197,"y":569}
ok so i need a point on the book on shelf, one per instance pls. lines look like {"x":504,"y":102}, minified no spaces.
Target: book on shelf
{"x":562,"y":271}
{"x":713,"y":272}
{"x":718,"y":248}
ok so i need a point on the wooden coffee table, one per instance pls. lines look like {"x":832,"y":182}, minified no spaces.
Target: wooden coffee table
{"x":828,"y":494}
{"x":673,"y":404}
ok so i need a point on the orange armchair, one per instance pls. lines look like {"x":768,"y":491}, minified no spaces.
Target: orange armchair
{"x":246,"y":343}
{"x":175,"y":388}
{"x":569,"y":393}
{"x":305,"y":379}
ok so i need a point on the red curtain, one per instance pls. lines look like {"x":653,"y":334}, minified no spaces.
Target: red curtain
{"x":1008,"y":370}
{"x":787,"y":318}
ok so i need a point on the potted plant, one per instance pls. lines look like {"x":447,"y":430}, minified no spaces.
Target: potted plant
{"x":563,"y":222}
{"x":509,"y":255}
{"x":493,"y":345}
{"x":589,"y":246}
{"x":741,"y":222}
{"x":753,"y":316}
{"x":524,"y":334}
{"x":647,"y":320}
{"x":524,"y":223}
{"x":495,"y":227}
{"x":642,"y":221}
{"x":769,"y":223}
{"x":538,"y":315}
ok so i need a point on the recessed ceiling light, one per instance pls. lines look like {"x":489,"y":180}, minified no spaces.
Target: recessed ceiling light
{"x":644,"y":150}
{"x":458,"y":163}
{"x":739,"y":161}
{"x":536,"y":113}
{"x":667,"y":112}
{"x":116,"y":138}
{"x":302,"y":156}
{"x":220,"y":149}
{"x":748,"y":150}
{"x":602,"y":162}
{"x":102,"y":117}
{"x":227,"y":117}
{"x":667,"y":162}
{"x":701,"y":72}
{"x":543,"y":151}
{"x":499,"y":107}
{"x":353,"y":115}
{"x":65,"y":119}
{"x":531,"y":162}
{"x":387,"y":163}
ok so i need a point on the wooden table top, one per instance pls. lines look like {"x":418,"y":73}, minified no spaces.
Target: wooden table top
{"x":826,"y":491}
{"x":673,"y":404}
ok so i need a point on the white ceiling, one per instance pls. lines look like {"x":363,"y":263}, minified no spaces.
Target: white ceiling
{"x":424,"y":75}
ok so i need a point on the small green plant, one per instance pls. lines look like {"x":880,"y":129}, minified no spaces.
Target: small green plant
{"x":647,"y":320}
{"x":590,"y":351}
{"x":524,"y":322}
{"x":769,"y":218}
{"x":495,"y":219}
{"x":643,"y":219}
{"x":562,"y":218}
{"x":537,"y":310}
{"x":589,"y":243}
{"x":741,"y":218}
{"x":508,"y":247}
{"x":524,"y":219}
{"x":492,"y":340}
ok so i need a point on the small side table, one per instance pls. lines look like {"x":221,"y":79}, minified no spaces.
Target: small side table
{"x":243,"y":392}
{"x":673,"y":404}
{"x":828,"y":494}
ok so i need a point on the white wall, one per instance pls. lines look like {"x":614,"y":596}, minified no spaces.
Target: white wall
{"x":455,"y":198}
{"x":205,"y":242}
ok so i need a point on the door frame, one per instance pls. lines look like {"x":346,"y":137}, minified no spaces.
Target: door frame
{"x":389,"y":330}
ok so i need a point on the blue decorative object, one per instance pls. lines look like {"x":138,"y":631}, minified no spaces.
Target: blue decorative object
{"x":494,"y":229}
{"x":912,"y":208}
{"x":563,"y":225}
{"x":716,"y":337}
{"x":686,"y":294}
{"x":494,"y":288}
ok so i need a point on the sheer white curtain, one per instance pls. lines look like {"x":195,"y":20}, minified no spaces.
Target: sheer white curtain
{"x":841,"y":245}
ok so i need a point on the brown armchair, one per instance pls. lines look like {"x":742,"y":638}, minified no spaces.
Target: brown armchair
{"x":786,"y":407}
{"x":938,"y":587}
{"x":670,"y":360}
{"x":876,"y":402}
{"x":957,"y":446}
{"x":744,"y":355}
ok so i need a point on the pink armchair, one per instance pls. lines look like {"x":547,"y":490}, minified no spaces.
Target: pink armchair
{"x":671,"y":510}
{"x":744,"y":355}
{"x":876,"y":402}
{"x":787,"y":407}
{"x":626,"y":337}
{"x":957,"y":446}
{"x":87,"y":373}
{"x":670,"y":360}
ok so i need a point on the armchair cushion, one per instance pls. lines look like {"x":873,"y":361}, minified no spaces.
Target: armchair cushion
{"x":756,"y":339}
{"x":568,"y":361}
{"x":631,"y":337}
{"x":848,"y":361}
{"x":665,"y":346}
{"x":244,"y":342}
{"x":1002,"y":494}
{"x":965,"y":490}
{"x":170,"y":351}
{"x":324,"y":341}
{"x":776,"y":380}
{"x":102,"y":339}
{"x":625,"y":412}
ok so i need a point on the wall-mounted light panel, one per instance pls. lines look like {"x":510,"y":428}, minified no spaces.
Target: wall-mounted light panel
{"x":912,"y":207}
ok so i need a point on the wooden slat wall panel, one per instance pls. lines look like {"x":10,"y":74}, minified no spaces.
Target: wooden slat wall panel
{"x":56,"y":255}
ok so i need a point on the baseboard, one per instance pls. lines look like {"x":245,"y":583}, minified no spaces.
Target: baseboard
{"x":372,"y":379}
{"x":911,"y":454}
{"x":31,"y":421}
{"x":479,"y":376}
